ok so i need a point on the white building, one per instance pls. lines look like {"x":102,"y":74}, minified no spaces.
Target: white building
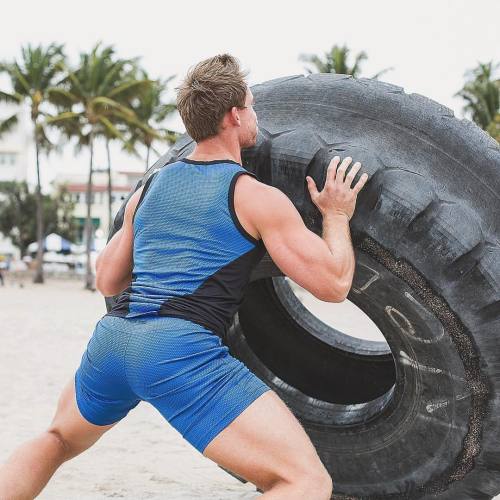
{"x":15,"y":148}
{"x":123,"y":182}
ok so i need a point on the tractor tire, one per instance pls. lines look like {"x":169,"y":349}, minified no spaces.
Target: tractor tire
{"x":416,"y":417}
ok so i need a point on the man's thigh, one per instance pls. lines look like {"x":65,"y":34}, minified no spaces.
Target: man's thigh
{"x":76,"y":432}
{"x":264,"y":444}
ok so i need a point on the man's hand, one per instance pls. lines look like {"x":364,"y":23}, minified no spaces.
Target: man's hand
{"x":337,"y":195}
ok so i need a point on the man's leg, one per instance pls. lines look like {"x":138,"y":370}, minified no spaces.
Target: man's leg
{"x":268,"y":446}
{"x":30,"y":467}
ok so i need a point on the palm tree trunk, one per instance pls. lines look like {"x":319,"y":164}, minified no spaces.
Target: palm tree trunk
{"x":38,"y":278}
{"x":110,"y":190}
{"x":147,"y":157}
{"x":89,"y":276}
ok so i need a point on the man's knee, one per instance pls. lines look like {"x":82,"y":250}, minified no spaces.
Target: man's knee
{"x":313,"y":482}
{"x":317,"y":484}
{"x":64,"y":447}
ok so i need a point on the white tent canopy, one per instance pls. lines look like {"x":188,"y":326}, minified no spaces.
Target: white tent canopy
{"x":56,"y":243}
{"x":52,"y":243}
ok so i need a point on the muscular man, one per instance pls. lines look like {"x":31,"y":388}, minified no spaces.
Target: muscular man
{"x":181,"y":261}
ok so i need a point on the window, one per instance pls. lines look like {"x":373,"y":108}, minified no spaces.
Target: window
{"x":85,"y":197}
{"x":8,"y":159}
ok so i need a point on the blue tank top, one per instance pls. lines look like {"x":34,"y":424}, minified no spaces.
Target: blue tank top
{"x":192,"y":257}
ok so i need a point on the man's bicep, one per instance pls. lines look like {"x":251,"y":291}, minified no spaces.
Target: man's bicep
{"x":299,"y":253}
{"x":115,"y":263}
{"x":126,"y":244}
{"x":131,"y":207}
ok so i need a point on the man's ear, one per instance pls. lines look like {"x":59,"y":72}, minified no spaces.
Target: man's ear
{"x":234,"y":116}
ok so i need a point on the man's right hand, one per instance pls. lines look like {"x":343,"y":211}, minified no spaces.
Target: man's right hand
{"x":337,"y":195}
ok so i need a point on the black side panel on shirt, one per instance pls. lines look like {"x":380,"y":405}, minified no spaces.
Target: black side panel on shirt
{"x":214,"y":303}
{"x":121,"y":305}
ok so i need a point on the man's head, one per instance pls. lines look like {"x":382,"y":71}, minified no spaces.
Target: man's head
{"x":214,"y":99}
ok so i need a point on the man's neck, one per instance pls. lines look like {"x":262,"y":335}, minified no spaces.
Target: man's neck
{"x":216,"y":149}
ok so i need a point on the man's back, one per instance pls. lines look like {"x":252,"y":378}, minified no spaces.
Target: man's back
{"x":192,"y":257}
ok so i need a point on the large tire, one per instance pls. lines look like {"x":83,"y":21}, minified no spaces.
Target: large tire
{"x":419,"y":420}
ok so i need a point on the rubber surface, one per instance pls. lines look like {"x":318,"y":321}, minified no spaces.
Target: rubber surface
{"x":418,"y":420}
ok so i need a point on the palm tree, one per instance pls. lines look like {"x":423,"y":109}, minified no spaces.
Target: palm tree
{"x":335,"y":61}
{"x":151,"y":111}
{"x":123,"y":123}
{"x":482,"y":95}
{"x":92,"y":99}
{"x":119,"y":134}
{"x":30,"y":78}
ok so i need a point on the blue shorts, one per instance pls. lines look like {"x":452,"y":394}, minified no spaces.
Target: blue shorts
{"x":181,"y":368}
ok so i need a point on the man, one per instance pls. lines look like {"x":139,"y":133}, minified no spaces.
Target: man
{"x":189,"y":241}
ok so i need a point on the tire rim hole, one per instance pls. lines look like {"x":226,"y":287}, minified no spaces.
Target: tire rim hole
{"x":312,"y":357}
{"x":345,"y":317}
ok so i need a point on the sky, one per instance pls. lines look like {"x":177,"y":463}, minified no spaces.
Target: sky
{"x":429,"y":44}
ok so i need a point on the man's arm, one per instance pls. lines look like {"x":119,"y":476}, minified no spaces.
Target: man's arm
{"x":115,"y":263}
{"x":323,"y":266}
{"x":337,"y":235}
{"x":299,"y":253}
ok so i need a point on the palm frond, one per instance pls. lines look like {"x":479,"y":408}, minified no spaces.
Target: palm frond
{"x":110,"y":130}
{"x":481,"y":94}
{"x":8,"y":124}
{"x":169,"y":136}
{"x":73,"y":81}
{"x":375,"y":77}
{"x":41,"y":136}
{"x":61,"y":97}
{"x":355,"y":70}
{"x":129,"y":147}
{"x":336,"y":61}
{"x":113,"y":74}
{"x":164,"y":110}
{"x":316,"y":62}
{"x":10,"y":98}
{"x":105,"y":102}
{"x":130,"y":89}
{"x":21,"y":84}
{"x":65,"y":116}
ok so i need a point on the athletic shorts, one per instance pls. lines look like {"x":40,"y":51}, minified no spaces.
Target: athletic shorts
{"x":181,"y":368}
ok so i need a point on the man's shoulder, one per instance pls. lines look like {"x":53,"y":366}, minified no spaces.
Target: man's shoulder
{"x":250,"y":182}
{"x":256,"y":196}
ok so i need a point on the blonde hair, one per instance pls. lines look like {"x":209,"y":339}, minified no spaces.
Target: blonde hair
{"x":210,"y":89}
